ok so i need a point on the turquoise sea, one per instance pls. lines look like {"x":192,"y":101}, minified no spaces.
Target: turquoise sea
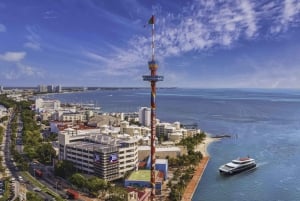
{"x":265,"y":124}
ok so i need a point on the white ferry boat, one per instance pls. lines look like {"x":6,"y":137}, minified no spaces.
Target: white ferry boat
{"x":237,"y":165}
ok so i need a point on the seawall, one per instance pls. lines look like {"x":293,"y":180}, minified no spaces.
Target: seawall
{"x":192,"y":185}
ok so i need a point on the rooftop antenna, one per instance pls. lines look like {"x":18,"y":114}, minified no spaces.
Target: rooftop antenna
{"x":153,"y":78}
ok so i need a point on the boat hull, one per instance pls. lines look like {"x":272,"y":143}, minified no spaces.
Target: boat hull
{"x":239,"y":170}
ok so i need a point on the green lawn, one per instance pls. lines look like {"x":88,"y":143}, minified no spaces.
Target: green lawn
{"x":140,"y":175}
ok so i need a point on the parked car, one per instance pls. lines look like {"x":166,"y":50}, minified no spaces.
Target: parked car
{"x":37,"y":189}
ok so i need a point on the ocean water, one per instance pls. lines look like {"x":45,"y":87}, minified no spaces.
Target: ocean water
{"x":265,"y":124}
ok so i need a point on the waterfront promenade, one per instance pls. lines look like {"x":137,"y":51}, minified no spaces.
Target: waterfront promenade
{"x":199,"y":170}
{"x":192,"y":185}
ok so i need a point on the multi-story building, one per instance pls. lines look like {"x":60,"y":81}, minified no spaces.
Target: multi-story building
{"x":3,"y":111}
{"x":49,"y":88}
{"x":42,"y":88}
{"x":16,"y":95}
{"x":133,"y":130}
{"x":131,"y":116}
{"x":58,"y":89}
{"x":98,"y":154}
{"x":161,"y":152}
{"x":174,"y":131}
{"x":145,"y":116}
{"x":46,"y":105}
{"x":73,"y":117}
{"x":164,"y":129}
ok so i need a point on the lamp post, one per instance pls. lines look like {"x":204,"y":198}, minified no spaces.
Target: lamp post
{"x":56,"y":186}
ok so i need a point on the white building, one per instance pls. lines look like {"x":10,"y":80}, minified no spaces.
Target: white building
{"x":175,"y":136}
{"x":174,"y":132}
{"x":50,"y":88}
{"x":133,"y":130}
{"x":101,"y":155}
{"x":16,"y":96}
{"x":161,"y":152}
{"x":42,"y":88}
{"x":145,"y":116}
{"x":3,"y":111}
{"x":58,"y":89}
{"x":46,"y":105}
{"x":73,"y":117}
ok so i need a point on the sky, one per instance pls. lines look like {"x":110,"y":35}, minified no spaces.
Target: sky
{"x":107,"y":43}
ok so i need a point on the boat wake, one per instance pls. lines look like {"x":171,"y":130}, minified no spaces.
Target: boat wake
{"x":257,"y":166}
{"x":261,"y":164}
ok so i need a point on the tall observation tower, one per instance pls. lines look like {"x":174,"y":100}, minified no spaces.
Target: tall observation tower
{"x":153,"y":78}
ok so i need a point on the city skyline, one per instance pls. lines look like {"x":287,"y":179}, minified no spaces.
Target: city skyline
{"x":199,"y":44}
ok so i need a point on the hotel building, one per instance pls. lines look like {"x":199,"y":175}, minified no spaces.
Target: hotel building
{"x":98,"y":154}
{"x":133,"y":130}
{"x":145,"y":116}
{"x":46,"y":105}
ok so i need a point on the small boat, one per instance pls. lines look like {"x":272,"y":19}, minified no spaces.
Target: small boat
{"x":237,"y":165}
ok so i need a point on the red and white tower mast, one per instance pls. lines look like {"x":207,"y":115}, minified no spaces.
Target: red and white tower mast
{"x":153,"y":78}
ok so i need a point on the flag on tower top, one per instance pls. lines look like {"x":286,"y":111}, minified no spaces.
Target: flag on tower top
{"x":151,"y":20}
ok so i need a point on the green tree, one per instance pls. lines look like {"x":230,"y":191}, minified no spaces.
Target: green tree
{"x":5,"y":118}
{"x":96,"y":185}
{"x":51,"y":137}
{"x":78,"y":180}
{"x":33,"y":196}
{"x":45,"y":153}
{"x":30,"y":151}
{"x":117,"y":194}
{"x":7,"y":102}
{"x":64,"y":169}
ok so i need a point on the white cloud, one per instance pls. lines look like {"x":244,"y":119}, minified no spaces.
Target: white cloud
{"x":249,"y":16}
{"x":202,"y":25}
{"x":50,"y":14}
{"x":285,"y":14}
{"x":2,"y":28}
{"x":21,"y":70}
{"x":206,"y":24}
{"x":33,"y":45}
{"x":33,"y":39}
{"x":12,"y":56}
{"x":26,"y":70}
{"x":95,"y":56}
{"x":291,"y":8}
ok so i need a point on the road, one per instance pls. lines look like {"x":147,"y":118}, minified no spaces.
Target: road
{"x":13,"y":171}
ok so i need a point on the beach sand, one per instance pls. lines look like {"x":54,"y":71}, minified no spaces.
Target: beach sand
{"x":199,"y":169}
{"x":202,"y":147}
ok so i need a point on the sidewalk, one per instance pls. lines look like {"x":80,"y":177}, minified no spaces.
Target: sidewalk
{"x":192,"y":185}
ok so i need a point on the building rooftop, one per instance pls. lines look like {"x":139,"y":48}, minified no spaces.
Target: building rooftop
{"x":99,"y":142}
{"x":144,"y":175}
{"x":158,"y":149}
{"x":161,"y":161}
{"x":90,"y":146}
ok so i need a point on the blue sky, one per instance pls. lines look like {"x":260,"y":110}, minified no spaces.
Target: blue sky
{"x":199,"y":43}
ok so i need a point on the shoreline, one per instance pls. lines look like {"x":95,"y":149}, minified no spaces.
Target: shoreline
{"x":200,"y":168}
{"x":203,"y":146}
